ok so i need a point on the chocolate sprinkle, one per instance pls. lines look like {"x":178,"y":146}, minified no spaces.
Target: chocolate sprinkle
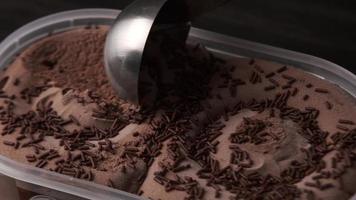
{"x":282,"y":69}
{"x":344,"y":121}
{"x":320,"y":90}
{"x":268,"y":88}
{"x":270,"y":75}
{"x":329,"y":106}
{"x":309,"y":85}
{"x":343,"y":128}
{"x":285,"y":76}
{"x":3,"y":82}
{"x":9,"y":143}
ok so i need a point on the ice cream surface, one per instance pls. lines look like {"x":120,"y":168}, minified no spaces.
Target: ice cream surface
{"x":232,"y":128}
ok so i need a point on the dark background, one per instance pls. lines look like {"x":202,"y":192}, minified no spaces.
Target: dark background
{"x":324,"y":28}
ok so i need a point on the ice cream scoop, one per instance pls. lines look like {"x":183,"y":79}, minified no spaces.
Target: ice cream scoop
{"x":127,"y":39}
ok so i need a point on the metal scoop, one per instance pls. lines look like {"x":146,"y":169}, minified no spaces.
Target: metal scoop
{"x":127,"y":39}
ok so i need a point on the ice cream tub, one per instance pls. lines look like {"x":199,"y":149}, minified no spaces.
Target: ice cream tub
{"x":37,"y":181}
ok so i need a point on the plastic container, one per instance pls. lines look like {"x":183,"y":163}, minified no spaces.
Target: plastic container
{"x":61,"y":187}
{"x":42,"y":197}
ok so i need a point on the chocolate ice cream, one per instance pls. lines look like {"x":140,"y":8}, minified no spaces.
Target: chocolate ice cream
{"x":236,"y":128}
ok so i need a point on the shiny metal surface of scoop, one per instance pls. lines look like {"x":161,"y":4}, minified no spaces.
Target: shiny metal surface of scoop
{"x":125,"y":43}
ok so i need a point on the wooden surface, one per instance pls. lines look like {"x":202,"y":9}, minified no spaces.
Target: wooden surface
{"x":324,"y":28}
